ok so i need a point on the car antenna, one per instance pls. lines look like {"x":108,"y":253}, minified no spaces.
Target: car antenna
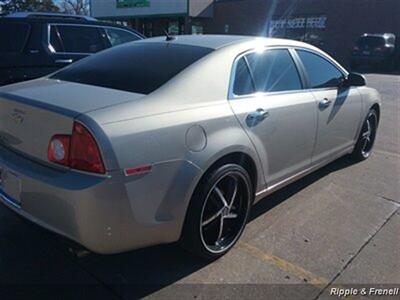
{"x":169,"y":37}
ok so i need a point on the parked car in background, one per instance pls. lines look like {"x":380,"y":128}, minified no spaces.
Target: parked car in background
{"x":35,"y":44}
{"x":376,"y":50}
{"x":169,"y":139}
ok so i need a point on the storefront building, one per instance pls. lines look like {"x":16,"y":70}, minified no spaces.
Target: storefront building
{"x":331,"y":25}
{"x":154,"y":17}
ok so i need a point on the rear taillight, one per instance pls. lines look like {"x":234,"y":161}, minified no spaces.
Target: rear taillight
{"x":85,"y":154}
{"x":78,"y":151}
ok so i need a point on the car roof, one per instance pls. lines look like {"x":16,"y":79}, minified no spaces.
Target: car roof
{"x":49,"y":15}
{"x":60,"y":18}
{"x":216,"y":41}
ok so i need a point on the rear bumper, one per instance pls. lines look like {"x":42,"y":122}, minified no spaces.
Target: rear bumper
{"x":104,"y":214}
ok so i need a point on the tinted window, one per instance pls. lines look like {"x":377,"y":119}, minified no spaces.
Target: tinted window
{"x":55,"y":41}
{"x":321,"y":73}
{"x":79,"y":39}
{"x":370,"y":41}
{"x":243,"y":84}
{"x":13,"y":36}
{"x":134,"y":67}
{"x":273,"y":71}
{"x":118,"y":36}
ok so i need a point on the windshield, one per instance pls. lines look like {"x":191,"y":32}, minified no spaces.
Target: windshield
{"x":370,"y":41}
{"x":134,"y":67}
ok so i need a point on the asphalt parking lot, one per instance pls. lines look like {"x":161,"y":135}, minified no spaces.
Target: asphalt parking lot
{"x":337,"y":226}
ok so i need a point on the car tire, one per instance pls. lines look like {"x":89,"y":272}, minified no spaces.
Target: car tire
{"x":224,"y":196}
{"x":366,"y":139}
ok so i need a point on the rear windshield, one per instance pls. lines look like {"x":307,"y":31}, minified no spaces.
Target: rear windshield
{"x":13,"y":36}
{"x":134,"y":67}
{"x":370,"y":41}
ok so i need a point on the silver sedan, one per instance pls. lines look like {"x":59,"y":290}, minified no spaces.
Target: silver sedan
{"x":174,"y":139}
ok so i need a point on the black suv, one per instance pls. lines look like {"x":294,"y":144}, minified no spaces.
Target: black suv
{"x":35,"y":44}
{"x":378,"y":50}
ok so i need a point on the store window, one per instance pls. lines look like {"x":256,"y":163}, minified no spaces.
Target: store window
{"x":197,"y":28}
{"x":173,"y":27}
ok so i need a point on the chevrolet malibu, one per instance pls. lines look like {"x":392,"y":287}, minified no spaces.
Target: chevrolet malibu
{"x":174,"y":139}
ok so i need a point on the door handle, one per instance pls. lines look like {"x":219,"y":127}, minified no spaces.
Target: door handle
{"x":258,"y":115}
{"x":64,"y":61}
{"x":324,"y":103}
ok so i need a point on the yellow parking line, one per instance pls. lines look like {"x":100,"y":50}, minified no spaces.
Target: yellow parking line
{"x":288,"y":267}
{"x":283,"y":264}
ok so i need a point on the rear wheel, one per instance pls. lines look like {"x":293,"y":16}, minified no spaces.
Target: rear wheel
{"x":366,"y":140}
{"x":218,"y":212}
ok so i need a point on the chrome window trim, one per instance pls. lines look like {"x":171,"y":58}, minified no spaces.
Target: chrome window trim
{"x":232,"y":95}
{"x":52,"y":50}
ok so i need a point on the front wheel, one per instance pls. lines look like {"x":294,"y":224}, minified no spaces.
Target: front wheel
{"x":218,"y":212}
{"x":366,"y":140}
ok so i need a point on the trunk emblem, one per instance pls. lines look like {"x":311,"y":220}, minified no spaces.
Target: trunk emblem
{"x":17,"y":116}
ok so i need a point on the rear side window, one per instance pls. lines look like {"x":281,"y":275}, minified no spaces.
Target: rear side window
{"x":75,"y":39}
{"x":134,"y":67}
{"x":119,"y":36}
{"x":273,"y":71}
{"x":243,"y":84}
{"x":13,"y":36}
{"x":321,"y":73}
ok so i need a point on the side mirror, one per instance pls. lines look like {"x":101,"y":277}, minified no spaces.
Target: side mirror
{"x":355,"y":79}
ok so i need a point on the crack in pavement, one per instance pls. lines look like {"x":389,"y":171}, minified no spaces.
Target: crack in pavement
{"x":389,"y":199}
{"x":357,"y":253}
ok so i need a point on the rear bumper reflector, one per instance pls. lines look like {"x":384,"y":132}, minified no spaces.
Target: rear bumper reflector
{"x":138,"y":170}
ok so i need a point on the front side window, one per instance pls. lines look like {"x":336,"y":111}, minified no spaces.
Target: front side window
{"x":118,"y":36}
{"x":321,"y":73}
{"x":274,"y":71}
{"x":75,"y":39}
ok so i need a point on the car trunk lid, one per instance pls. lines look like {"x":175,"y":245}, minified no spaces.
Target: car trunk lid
{"x":31,"y":113}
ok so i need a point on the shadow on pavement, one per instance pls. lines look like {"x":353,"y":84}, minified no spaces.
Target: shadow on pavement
{"x":30,"y":257}
{"x":281,"y":195}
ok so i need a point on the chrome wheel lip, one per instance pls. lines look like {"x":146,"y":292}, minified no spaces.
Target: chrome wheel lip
{"x":225,"y":247}
{"x":369,"y":135}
